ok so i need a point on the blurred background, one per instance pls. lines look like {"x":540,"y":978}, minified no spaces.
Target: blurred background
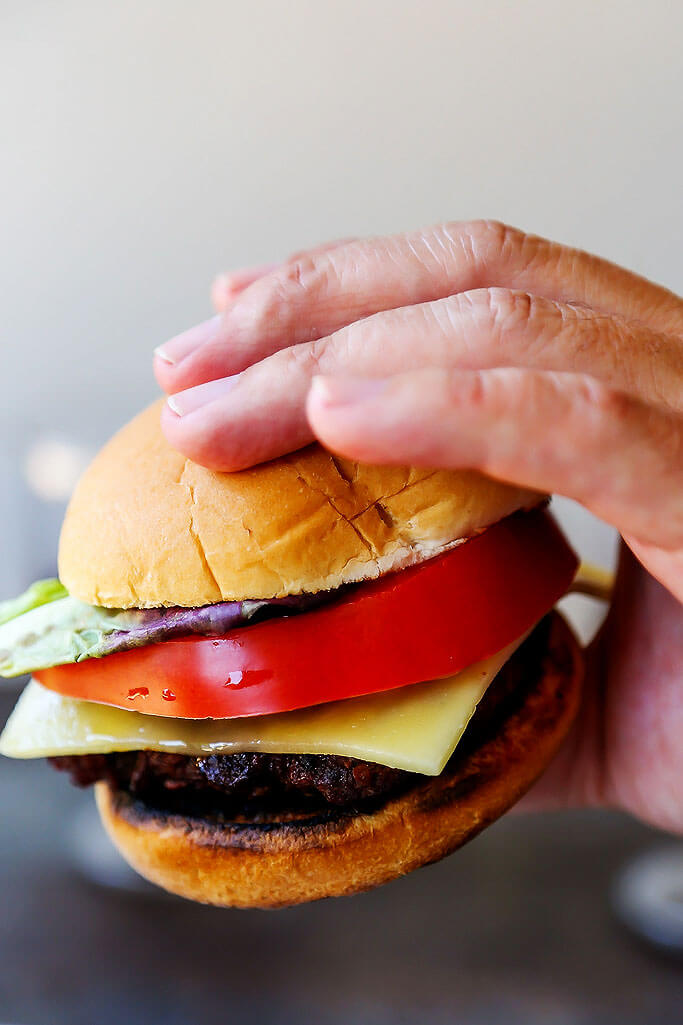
{"x":148,"y":145}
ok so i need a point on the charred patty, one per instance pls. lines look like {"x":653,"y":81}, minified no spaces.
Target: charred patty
{"x":251,"y":784}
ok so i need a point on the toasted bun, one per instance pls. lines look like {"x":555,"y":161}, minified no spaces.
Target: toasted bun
{"x":147,"y":528}
{"x":274,"y":863}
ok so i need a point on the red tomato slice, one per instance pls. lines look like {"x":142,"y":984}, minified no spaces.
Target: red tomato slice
{"x":416,"y":624}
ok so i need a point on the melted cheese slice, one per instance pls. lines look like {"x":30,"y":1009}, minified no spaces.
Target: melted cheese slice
{"x":415,"y":728}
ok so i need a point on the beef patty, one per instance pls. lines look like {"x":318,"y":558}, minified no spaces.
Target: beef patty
{"x":252,"y":783}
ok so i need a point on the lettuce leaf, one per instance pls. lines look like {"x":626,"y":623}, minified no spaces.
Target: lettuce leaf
{"x":40,"y":593}
{"x":47,"y":627}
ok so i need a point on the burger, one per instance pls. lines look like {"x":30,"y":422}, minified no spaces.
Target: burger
{"x":296,"y":681}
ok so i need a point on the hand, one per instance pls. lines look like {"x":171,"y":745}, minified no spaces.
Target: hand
{"x":474,"y":345}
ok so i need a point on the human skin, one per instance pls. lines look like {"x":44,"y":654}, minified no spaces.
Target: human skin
{"x":477,"y":345}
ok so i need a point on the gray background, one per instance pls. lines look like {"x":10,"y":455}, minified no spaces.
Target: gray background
{"x":145,"y":146}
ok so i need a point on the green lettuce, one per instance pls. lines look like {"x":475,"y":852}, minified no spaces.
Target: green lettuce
{"x":41,"y":593}
{"x":45,"y":627}
{"x":48,"y":627}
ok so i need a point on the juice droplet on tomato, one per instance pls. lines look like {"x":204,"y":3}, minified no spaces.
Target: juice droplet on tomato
{"x":168,"y":695}
{"x":238,"y":678}
{"x":138,"y":692}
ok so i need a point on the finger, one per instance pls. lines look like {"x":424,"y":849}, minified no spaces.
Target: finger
{"x":233,"y":427}
{"x":575,"y":777}
{"x":631,"y":678}
{"x":264,"y":414}
{"x":228,"y":285}
{"x":554,"y":432}
{"x":318,"y":294}
{"x":498,"y":327}
{"x":324,"y":247}
{"x":665,"y":565}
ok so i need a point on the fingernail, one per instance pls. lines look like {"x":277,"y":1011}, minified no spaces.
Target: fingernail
{"x":345,"y":391}
{"x":163,"y":355}
{"x":177,"y":348}
{"x":192,"y":399}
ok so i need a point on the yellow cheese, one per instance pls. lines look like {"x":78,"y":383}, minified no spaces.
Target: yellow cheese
{"x":414,"y":728}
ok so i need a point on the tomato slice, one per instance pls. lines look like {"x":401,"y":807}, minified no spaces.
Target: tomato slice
{"x":417,"y":624}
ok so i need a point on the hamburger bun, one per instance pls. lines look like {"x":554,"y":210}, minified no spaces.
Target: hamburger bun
{"x":147,"y":528}
{"x":274,"y":863}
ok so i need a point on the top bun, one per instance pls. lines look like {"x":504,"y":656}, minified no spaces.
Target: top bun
{"x":147,"y":527}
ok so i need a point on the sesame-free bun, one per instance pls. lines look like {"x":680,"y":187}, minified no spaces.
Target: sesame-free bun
{"x":148,"y":528}
{"x":274,"y":863}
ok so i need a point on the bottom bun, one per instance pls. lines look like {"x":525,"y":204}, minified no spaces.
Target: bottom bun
{"x":274,"y":863}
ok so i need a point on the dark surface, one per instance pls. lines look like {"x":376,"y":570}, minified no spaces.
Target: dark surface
{"x":514,"y":929}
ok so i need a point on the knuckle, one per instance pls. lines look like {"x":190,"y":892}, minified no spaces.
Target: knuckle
{"x":308,"y":358}
{"x":299,"y":274}
{"x":301,"y":281}
{"x":610,"y":405}
{"x":605,"y":412}
{"x":294,"y":277}
{"x":318,"y":351}
{"x":510,"y":309}
{"x":488,"y":240}
{"x":486,"y":233}
{"x":501,"y":318}
{"x":471,"y":389}
{"x":489,"y":245}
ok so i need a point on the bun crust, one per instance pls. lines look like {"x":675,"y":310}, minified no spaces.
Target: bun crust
{"x":148,"y":528}
{"x":275,"y":864}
